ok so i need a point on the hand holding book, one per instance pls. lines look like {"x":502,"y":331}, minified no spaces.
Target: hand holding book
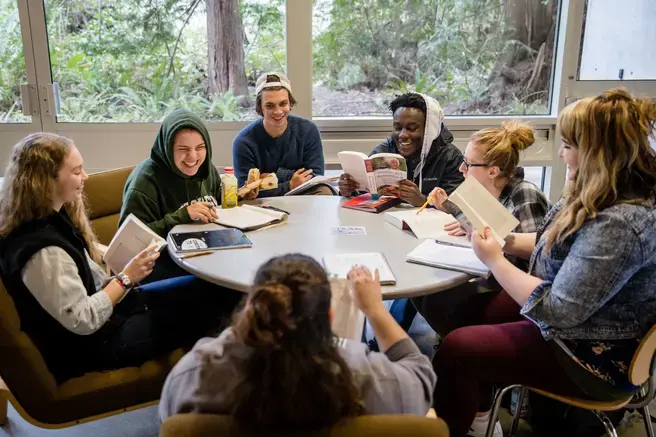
{"x":486,"y":247}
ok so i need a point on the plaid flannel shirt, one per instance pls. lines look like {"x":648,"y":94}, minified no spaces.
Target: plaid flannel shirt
{"x":524,"y":200}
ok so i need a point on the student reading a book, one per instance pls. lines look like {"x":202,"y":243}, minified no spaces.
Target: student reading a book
{"x":177,"y":184}
{"x":491,"y":157}
{"x":572,"y":324}
{"x":419,"y":135}
{"x":279,"y":142}
{"x":78,"y":318}
{"x":279,"y":365}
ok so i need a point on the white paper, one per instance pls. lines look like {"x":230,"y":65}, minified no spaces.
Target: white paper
{"x":428,"y":224}
{"x":247,"y":216}
{"x":482,"y":209}
{"x":448,"y":257}
{"x":348,"y":230}
{"x":131,"y":238}
{"x":348,"y":320}
{"x":339,"y":264}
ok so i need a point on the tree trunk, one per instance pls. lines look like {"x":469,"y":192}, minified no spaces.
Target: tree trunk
{"x":225,"y":42}
{"x":532,"y":20}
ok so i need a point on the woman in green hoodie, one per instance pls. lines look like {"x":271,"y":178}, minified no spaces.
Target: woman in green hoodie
{"x":177,"y":184}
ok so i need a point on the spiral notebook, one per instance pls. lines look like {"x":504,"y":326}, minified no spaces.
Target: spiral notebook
{"x":461,"y":259}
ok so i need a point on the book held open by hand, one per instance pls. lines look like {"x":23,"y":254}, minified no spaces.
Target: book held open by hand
{"x":132,"y":237}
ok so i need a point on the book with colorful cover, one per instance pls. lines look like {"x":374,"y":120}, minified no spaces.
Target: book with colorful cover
{"x":365,"y":203}
{"x":375,"y":171}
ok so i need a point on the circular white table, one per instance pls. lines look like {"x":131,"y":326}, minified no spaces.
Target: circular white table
{"x":308,"y":231}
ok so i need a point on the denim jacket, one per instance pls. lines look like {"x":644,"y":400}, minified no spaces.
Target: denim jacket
{"x":600,"y":283}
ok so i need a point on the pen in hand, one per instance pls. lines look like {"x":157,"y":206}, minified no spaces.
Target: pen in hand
{"x":428,"y":200}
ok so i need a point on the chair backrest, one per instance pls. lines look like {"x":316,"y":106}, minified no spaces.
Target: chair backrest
{"x":22,"y":366}
{"x":104,"y":192}
{"x":641,"y":365}
{"x":210,"y":425}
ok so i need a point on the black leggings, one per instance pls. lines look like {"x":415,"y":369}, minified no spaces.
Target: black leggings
{"x":165,"y":315}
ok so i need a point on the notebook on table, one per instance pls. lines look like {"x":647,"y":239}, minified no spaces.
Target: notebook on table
{"x":461,"y":259}
{"x":216,"y":239}
{"x":427,"y":225}
{"x":365,"y":203}
{"x":338,"y":265}
{"x":317,"y":180}
{"x":249,"y":217}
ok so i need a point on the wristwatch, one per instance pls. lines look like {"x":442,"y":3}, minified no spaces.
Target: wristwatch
{"x":124,"y":280}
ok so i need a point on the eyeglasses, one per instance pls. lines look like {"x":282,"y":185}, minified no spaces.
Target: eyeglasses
{"x":467,"y":164}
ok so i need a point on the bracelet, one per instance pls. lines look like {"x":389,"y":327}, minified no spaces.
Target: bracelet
{"x":124,"y":281}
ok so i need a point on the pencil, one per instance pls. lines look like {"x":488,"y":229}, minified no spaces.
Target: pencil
{"x":193,"y":254}
{"x":423,"y":207}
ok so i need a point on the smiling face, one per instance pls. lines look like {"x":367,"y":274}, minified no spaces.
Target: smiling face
{"x":570,"y":155}
{"x":189,"y":151}
{"x":408,"y":130}
{"x":275,"y":107}
{"x":69,"y":184}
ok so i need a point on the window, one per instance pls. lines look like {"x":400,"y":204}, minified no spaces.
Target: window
{"x":618,"y":40}
{"x":474,"y":56}
{"x":133,"y":61}
{"x":12,"y":64}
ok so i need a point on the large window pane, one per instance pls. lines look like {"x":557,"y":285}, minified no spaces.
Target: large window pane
{"x":12,"y":64}
{"x":619,"y":40}
{"x":134,"y":60}
{"x":474,"y":56}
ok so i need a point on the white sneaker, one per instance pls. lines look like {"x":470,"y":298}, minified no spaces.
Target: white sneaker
{"x":478,"y":427}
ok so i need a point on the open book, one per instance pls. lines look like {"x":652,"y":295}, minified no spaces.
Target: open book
{"x":348,"y":320}
{"x":132,"y":237}
{"x":375,"y":171}
{"x":427,"y":225}
{"x":317,"y":180}
{"x":249,"y":218}
{"x":339,"y":264}
{"x":460,"y":259}
{"x":481,"y":209}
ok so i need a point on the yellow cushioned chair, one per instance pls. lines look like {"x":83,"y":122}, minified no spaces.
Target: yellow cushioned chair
{"x":25,"y":380}
{"x":209,"y":425}
{"x":104,"y":192}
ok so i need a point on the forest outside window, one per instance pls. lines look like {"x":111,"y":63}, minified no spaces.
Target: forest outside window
{"x":135,"y":60}
{"x":12,"y":65}
{"x":477,"y":57}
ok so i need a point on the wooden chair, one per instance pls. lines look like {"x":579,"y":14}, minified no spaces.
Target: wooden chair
{"x":641,"y":374}
{"x":209,"y":425}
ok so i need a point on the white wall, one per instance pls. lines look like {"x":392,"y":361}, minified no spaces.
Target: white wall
{"x":619,"y":35}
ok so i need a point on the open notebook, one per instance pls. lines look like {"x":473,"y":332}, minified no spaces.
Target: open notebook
{"x":317,"y":180}
{"x":339,"y":264}
{"x":429,"y":224}
{"x":249,"y":218}
{"x":461,"y":259}
{"x":130,"y":239}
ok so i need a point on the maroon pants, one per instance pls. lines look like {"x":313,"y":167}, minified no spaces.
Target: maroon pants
{"x":494,"y":346}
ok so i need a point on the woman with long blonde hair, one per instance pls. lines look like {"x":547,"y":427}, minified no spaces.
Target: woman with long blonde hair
{"x":590,"y":293}
{"x":78,"y":318}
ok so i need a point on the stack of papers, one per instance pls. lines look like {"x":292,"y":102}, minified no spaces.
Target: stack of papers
{"x":460,"y":259}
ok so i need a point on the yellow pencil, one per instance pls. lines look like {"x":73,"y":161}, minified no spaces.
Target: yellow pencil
{"x":193,"y":254}
{"x":428,"y":200}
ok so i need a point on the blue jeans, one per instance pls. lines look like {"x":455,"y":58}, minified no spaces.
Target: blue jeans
{"x":165,"y":315}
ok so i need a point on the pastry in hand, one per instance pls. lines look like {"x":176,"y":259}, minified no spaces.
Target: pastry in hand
{"x":253,"y":175}
{"x":252,"y":182}
{"x":269,"y":182}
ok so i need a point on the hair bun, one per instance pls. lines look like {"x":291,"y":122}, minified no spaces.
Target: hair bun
{"x":271,"y":306}
{"x":521,"y":136}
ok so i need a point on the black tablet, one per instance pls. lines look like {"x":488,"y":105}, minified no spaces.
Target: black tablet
{"x":209,"y":240}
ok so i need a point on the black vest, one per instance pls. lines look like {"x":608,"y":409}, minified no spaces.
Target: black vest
{"x":66,"y":354}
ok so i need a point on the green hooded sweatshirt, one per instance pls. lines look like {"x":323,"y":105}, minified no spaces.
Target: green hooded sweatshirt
{"x":157,"y":192}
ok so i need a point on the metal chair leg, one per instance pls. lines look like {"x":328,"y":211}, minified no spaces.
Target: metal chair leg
{"x":518,"y":411}
{"x":610,"y":429}
{"x":496,"y":406}
{"x":647,"y":417}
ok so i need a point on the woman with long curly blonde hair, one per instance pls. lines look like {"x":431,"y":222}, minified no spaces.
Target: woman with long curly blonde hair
{"x":590,"y":293}
{"x":78,"y":318}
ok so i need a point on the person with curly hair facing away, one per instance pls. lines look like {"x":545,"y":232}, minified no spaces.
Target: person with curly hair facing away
{"x":279,"y":366}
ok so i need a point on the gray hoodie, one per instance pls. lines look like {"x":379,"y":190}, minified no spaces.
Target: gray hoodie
{"x":399,"y":381}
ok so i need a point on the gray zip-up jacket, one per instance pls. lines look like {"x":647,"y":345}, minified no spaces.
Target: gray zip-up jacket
{"x":400,"y":381}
